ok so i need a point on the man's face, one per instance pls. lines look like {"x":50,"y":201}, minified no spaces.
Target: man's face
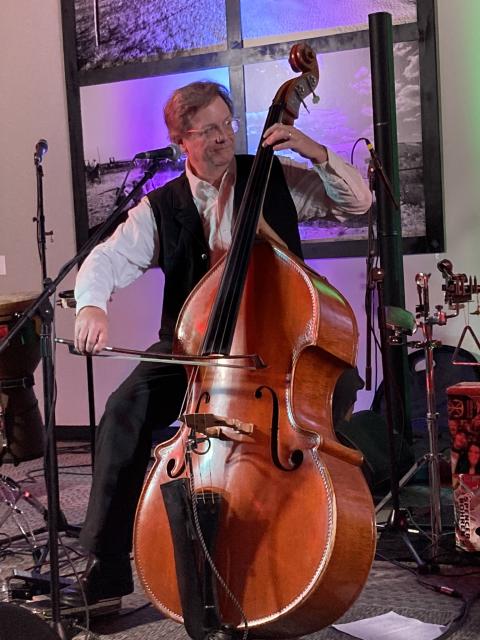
{"x":209,"y":155}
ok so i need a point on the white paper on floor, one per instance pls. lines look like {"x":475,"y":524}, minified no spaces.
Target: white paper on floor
{"x":391,"y":626}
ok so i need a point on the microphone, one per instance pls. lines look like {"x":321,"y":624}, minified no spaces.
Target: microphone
{"x":41,"y":149}
{"x":172,"y":152}
{"x":378,"y":167}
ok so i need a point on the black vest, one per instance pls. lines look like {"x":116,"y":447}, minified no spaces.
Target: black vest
{"x":183,"y":250}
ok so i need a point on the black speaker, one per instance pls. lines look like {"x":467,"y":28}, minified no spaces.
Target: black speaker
{"x":367,"y":431}
{"x":17,"y":623}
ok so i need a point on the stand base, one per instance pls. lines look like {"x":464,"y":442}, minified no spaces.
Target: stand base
{"x":43,"y":607}
{"x":397,"y":523}
{"x":28,"y":584}
{"x":418,"y":464}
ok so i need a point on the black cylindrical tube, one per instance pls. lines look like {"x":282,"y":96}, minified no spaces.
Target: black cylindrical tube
{"x":389,"y":228}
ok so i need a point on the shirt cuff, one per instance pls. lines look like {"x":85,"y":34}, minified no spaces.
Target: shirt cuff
{"x":333,"y":161}
{"x":87,"y":300}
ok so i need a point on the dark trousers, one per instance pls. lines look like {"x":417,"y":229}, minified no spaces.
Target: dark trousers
{"x":151,"y":397}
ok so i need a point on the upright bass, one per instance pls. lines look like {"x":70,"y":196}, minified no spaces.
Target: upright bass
{"x":254,"y":517}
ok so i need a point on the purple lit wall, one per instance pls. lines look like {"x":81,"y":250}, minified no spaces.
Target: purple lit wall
{"x":344,"y":114}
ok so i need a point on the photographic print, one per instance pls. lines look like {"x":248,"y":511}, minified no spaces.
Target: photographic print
{"x":273,"y":17}
{"x":341,"y":117}
{"x":120,"y":120}
{"x":119,"y":113}
{"x":115,"y":32}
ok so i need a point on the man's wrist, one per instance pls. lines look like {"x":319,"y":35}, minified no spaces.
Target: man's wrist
{"x":321,"y":155}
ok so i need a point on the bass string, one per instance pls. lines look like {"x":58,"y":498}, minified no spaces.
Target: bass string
{"x":236,"y":264}
{"x":243,"y":237}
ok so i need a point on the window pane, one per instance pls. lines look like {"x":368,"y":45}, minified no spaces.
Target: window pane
{"x":114,"y":32}
{"x":261,"y":19}
{"x":343,"y":115}
{"x":120,"y":120}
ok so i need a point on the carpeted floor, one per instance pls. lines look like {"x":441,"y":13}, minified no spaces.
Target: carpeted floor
{"x":390,"y":587}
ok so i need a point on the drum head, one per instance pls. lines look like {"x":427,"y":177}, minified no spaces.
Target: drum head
{"x":11,"y":303}
{"x":21,"y":357}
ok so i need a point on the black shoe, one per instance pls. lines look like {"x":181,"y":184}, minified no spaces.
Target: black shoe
{"x":102,"y":580}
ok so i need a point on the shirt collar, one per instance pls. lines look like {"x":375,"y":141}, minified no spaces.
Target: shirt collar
{"x":201,"y":189}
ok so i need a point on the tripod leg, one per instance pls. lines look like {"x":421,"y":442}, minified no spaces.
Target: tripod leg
{"x":402,"y":482}
{"x":421,"y":565}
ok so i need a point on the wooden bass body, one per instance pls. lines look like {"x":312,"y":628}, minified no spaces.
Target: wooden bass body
{"x":297,"y":536}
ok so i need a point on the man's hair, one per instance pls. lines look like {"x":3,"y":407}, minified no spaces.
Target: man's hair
{"x":185,"y":102}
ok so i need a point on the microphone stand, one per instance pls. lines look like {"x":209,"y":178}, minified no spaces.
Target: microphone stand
{"x":371,"y":252}
{"x":389,"y":319}
{"x":42,"y":307}
{"x":428,"y":344}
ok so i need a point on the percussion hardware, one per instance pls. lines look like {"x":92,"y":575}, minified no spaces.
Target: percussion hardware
{"x":425,"y":320}
{"x":393,"y":323}
{"x":459,"y":290}
{"x":11,"y":493}
{"x":466,"y":329}
{"x":400,"y":323}
{"x":66,"y":299}
{"x":23,"y":434}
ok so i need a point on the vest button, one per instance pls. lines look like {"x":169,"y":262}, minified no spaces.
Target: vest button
{"x":204,"y":256}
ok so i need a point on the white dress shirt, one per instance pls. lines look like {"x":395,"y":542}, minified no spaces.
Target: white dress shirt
{"x":333,"y":187}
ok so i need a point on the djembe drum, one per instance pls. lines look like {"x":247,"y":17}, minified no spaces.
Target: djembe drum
{"x":21,"y":425}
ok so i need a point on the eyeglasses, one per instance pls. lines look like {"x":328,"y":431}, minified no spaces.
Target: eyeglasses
{"x":212,"y":131}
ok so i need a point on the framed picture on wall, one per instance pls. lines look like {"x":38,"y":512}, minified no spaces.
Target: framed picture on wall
{"x":123,"y":63}
{"x":120,"y":120}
